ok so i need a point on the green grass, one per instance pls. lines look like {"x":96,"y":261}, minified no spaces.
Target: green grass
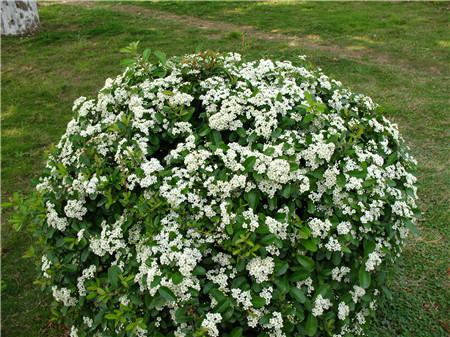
{"x":398,"y":53}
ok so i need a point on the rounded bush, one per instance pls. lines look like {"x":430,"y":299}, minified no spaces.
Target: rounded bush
{"x":206,"y":196}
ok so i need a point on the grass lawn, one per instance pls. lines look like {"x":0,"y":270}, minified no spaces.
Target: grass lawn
{"x":397,"y":53}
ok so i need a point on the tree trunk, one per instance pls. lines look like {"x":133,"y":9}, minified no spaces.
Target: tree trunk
{"x":19,"y":17}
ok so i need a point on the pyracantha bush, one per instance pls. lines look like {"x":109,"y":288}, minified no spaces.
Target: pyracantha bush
{"x":206,"y":196}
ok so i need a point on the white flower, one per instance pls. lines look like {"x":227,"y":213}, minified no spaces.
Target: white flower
{"x":337,"y":273}
{"x":401,"y":208}
{"x":91,"y":185}
{"x":80,"y":234}
{"x":73,"y":331}
{"x":140,"y":332}
{"x":343,"y":311}
{"x":196,"y":159}
{"x":261,"y":268}
{"x":357,"y":293}
{"x":180,"y":98}
{"x":251,"y":218}
{"x":110,"y":241}
{"x":276,"y":322}
{"x":88,"y":273}
{"x":373,"y":261}
{"x":188,"y":259}
{"x":278,"y":171}
{"x":226,"y":118}
{"x":344,"y":228}
{"x":53,"y":219}
{"x":333,"y":245}
{"x":266,"y":293}
{"x":63,"y":295}
{"x":181,"y":128}
{"x":319,"y":228}
{"x":149,"y":168}
{"x":277,"y":228}
{"x":76,"y":104}
{"x":353,"y":183}
{"x":75,"y":209}
{"x":210,"y":323}
{"x":45,"y":265}
{"x":308,"y":282}
{"x":243,"y":298}
{"x":320,"y":305}
{"x":88,"y":321}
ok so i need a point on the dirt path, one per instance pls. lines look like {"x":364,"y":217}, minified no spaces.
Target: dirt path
{"x":365,"y":56}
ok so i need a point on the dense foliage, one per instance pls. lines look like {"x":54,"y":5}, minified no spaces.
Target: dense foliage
{"x":205,"y":196}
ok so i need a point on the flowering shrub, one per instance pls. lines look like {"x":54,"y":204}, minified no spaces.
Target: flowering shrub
{"x":205,"y":196}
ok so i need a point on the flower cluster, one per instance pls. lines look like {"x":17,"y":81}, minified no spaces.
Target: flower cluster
{"x":207,"y":196}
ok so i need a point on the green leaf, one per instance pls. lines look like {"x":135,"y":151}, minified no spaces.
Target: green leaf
{"x":131,"y":48}
{"x":308,"y":118}
{"x":311,"y":207}
{"x":364,"y":277}
{"x":309,"y":245}
{"x":324,"y":290}
{"x":269,"y":151}
{"x":159,"y":72}
{"x":217,"y":294}
{"x":167,"y":294}
{"x":286,"y":191}
{"x":268,"y":239}
{"x":387,"y":293}
{"x":392,"y":158}
{"x":146,"y":54}
{"x":258,"y":301}
{"x":216,"y":137}
{"x":177,"y":278}
{"x":252,"y":138}
{"x":282,"y":284}
{"x":229,"y":229}
{"x":340,"y":180}
{"x":249,"y":163}
{"x":160,"y":56}
{"x":29,"y":253}
{"x":222,"y":306}
{"x":113,"y":275}
{"x":300,"y":275}
{"x":303,"y":232}
{"x":252,"y":198}
{"x":311,"y":325}
{"x":273,"y":203}
{"x":298,"y":295}
{"x":159,"y":117}
{"x":181,"y":316}
{"x":236,"y":332}
{"x":187,"y":115}
{"x":239,"y":282}
{"x":412,"y":227}
{"x":199,"y":270}
{"x":287,"y":122}
{"x":276,"y":133}
{"x":369,"y":247}
{"x":127,"y":62}
{"x":70,"y":267}
{"x":281,"y":267}
{"x":204,"y":130}
{"x":306,"y":262}
{"x":241,"y":132}
{"x":300,"y":313}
